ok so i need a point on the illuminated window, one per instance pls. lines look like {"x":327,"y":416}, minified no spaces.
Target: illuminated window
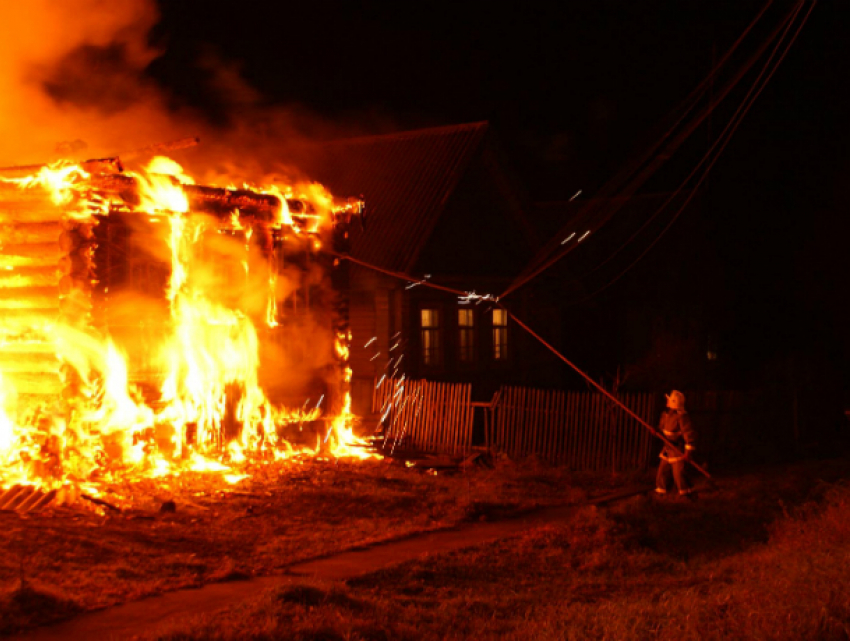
{"x":430,"y":322}
{"x":500,"y":335}
{"x":466,"y":335}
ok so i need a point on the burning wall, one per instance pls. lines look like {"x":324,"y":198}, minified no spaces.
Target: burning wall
{"x":139,"y":313}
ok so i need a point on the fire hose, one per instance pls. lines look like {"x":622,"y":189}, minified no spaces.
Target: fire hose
{"x":614,"y":399}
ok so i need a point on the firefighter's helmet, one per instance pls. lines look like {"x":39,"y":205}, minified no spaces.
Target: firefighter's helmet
{"x":676,"y":400}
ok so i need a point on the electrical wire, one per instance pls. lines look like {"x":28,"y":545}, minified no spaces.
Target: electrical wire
{"x":659,"y":159}
{"x":728,"y":132}
{"x":704,"y":158}
{"x":537,"y":336}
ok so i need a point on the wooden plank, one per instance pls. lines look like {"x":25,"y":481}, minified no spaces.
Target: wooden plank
{"x":556,"y":419}
{"x":622,"y":460}
{"x":467,"y":416}
{"x":433,"y":415}
{"x":577,"y":433}
{"x":512,"y":422}
{"x":496,"y":417}
{"x":455,"y":406}
{"x":449,"y":424}
{"x":553,"y":421}
{"x":453,"y":417}
{"x":404,"y":400}
{"x":540,"y":430}
{"x":580,"y":461}
{"x":433,"y":426}
{"x":591,"y":419}
{"x":424,"y":419}
{"x":18,"y":232}
{"x":463,"y":408}
{"x":45,"y":383}
{"x":526,"y":420}
{"x":580,"y":419}
{"x":503,"y":419}
{"x":534,"y":423}
{"x":30,"y":277}
{"x":509,"y":421}
{"x":441,"y":426}
{"x":601,"y":451}
{"x":569,"y":439}
{"x":514,"y":427}
{"x":547,"y":441}
{"x":604,"y":433}
{"x":470,"y":417}
{"x":593,"y":433}
{"x":446,"y":426}
{"x":32,"y":362}
{"x":414,"y":410}
{"x":561,"y":416}
{"x":634,"y":427}
{"x":534,"y":427}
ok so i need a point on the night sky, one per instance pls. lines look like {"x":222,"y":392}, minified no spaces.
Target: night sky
{"x":573,"y":90}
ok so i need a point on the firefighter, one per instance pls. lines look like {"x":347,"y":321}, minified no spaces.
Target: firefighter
{"x":677,"y":428}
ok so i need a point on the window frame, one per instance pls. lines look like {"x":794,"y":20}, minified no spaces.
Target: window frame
{"x":467,"y":351}
{"x":435,"y":331}
{"x":499,"y":336}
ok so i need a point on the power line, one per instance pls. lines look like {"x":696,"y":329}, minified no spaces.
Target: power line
{"x":640,"y":177}
{"x":406,"y":277}
{"x":728,"y":132}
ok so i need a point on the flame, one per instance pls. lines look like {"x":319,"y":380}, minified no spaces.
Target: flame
{"x":161,"y":187}
{"x":7,"y":431}
{"x":212,"y":415}
{"x":59,"y":179}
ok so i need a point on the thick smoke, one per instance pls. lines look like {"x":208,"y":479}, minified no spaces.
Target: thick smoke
{"x":73,"y":85}
{"x":72,"y":81}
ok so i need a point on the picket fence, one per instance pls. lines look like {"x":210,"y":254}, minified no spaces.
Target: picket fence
{"x":581,"y":430}
{"x":424,"y":415}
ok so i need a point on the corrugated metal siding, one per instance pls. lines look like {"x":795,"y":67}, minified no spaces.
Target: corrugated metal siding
{"x":405,"y":180}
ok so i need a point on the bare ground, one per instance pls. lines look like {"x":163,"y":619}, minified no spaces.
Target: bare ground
{"x":69,"y":560}
{"x":72,"y":561}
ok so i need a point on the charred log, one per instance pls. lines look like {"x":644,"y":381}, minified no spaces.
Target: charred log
{"x":216,"y":201}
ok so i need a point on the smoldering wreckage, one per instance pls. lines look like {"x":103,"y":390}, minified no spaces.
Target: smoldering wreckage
{"x":152,"y":326}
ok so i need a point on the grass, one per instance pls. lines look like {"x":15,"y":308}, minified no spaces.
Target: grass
{"x":765,"y":558}
{"x":78,"y":560}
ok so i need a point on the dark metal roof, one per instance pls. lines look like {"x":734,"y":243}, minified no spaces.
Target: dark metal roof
{"x":405,"y":180}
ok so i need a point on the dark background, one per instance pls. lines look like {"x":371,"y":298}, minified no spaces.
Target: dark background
{"x":573,"y":90}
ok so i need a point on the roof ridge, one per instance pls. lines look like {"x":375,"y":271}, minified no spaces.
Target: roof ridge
{"x":481,"y":125}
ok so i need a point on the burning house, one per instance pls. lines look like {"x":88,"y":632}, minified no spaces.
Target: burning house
{"x":149,"y":324}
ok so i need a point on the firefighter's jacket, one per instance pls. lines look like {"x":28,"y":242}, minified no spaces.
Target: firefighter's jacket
{"x":676,"y":426}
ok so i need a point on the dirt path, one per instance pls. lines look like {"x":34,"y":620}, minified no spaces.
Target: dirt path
{"x":147,"y":615}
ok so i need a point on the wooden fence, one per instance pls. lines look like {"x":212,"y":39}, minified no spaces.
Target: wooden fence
{"x":428,"y":416}
{"x":582,"y":430}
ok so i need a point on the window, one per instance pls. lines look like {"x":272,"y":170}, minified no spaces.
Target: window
{"x":500,"y":335}
{"x":466,"y":335}
{"x":430,"y":322}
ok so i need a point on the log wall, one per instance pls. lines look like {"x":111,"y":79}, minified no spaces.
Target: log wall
{"x":31,"y":270}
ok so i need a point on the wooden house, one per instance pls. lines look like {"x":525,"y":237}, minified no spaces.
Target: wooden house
{"x":441,"y":205}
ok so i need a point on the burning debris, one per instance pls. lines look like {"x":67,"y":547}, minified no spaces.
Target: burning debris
{"x":143,"y":319}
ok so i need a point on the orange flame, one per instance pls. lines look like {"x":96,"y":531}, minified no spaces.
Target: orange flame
{"x":211,"y":405}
